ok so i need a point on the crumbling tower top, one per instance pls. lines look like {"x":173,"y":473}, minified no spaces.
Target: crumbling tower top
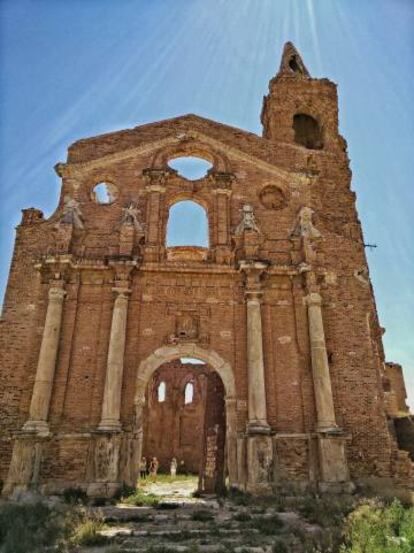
{"x":291,"y":64}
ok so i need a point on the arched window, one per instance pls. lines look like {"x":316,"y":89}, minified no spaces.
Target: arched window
{"x":161,"y":392}
{"x":188,"y":393}
{"x":187,"y":225}
{"x":191,"y":168}
{"x":307,"y":131}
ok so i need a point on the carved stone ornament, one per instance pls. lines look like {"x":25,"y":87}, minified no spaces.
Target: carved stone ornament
{"x":271,"y":197}
{"x":72,"y":213}
{"x":304,"y":226}
{"x":248,"y":221}
{"x":130,"y":215}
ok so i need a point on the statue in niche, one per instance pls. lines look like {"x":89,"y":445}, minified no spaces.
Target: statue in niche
{"x":187,"y":326}
{"x":304,"y":226}
{"x":72,"y":214}
{"x":130,"y":215}
{"x":248,"y":221}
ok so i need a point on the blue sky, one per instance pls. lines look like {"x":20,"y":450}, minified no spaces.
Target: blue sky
{"x":78,"y":68}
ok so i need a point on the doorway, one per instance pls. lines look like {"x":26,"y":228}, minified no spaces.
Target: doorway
{"x":184,"y":428}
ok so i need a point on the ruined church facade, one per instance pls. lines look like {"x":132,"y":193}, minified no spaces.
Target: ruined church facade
{"x":279,"y":306}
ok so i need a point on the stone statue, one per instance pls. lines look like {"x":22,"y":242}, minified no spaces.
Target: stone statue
{"x":304,"y":226}
{"x":248,"y":221}
{"x":130,"y":217}
{"x":72,"y":213}
{"x":173,"y":467}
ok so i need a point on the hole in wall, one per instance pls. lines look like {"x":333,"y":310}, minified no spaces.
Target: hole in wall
{"x":307,"y":131}
{"x":293,"y":64}
{"x":190,"y":167}
{"x":104,"y":193}
{"x":187,"y":225}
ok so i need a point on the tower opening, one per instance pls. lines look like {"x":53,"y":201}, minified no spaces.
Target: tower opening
{"x":307,"y":131}
{"x":293,"y":64}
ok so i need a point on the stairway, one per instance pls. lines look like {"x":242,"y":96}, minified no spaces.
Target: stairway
{"x":204,"y":526}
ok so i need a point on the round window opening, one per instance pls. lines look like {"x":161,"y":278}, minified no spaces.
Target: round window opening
{"x":191,"y":168}
{"x":104,"y":193}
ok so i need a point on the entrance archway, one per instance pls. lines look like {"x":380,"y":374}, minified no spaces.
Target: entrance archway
{"x":165,"y":354}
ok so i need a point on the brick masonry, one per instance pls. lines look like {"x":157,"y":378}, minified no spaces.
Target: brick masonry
{"x":196,"y":296}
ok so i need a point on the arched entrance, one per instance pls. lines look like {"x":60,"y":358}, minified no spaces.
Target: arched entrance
{"x":222,"y":372}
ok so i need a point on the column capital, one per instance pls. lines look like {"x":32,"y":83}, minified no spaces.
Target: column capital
{"x":56,"y":293}
{"x":156,"y":179}
{"x":253,"y":271}
{"x":314,"y":298}
{"x":121,"y":292}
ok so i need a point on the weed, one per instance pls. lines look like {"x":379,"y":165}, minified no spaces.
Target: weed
{"x":87,"y":533}
{"x":239,"y":497}
{"x":75,"y":496}
{"x":267,"y":525}
{"x":202,"y":515}
{"x":242,"y":516}
{"x":140,"y":499}
{"x":30,"y":527}
{"x":280,"y":546}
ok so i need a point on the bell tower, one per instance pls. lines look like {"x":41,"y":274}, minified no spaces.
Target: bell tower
{"x":299,"y":109}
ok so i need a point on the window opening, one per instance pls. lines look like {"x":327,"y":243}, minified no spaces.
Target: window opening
{"x":293,"y":64}
{"x":187,"y":225}
{"x":161,"y":392}
{"x":189,"y":167}
{"x":307,"y":131}
{"x":104,"y":193}
{"x":188,"y":393}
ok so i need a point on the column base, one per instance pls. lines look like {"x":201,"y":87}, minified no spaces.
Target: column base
{"x":109,"y":425}
{"x":257,"y":427}
{"x":332,"y":459}
{"x":259,"y":463}
{"x":41,"y":428}
{"x":103,"y":489}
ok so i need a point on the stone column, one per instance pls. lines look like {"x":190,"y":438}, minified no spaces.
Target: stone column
{"x":320,"y":367}
{"x":42,"y":390}
{"x":231,"y":440}
{"x":257,"y":412}
{"x":110,"y":419}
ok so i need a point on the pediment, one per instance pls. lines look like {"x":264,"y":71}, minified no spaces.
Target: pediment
{"x":170,"y":134}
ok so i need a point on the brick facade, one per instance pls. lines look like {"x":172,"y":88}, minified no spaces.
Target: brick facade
{"x":281,"y":297}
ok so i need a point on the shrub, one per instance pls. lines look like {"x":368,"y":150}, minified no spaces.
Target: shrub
{"x":239,"y":497}
{"x":75,"y":496}
{"x":267,"y":525}
{"x":140,"y":499}
{"x":376,"y":528}
{"x":30,"y":527}
{"x":325,"y":510}
{"x":87,"y":533}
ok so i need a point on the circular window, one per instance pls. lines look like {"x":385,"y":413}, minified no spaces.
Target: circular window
{"x":272,"y":197}
{"x":104,"y":193}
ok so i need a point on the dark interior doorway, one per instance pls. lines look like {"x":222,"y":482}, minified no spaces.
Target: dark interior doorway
{"x":185,"y":421}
